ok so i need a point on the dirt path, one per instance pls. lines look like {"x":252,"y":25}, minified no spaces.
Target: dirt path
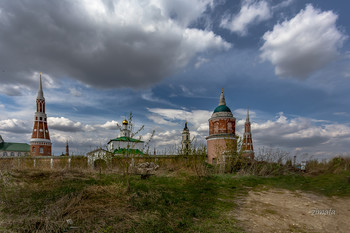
{"x":279,"y":210}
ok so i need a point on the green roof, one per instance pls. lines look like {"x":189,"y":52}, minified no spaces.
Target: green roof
{"x":12,"y":146}
{"x":222,"y":108}
{"x":125,"y":139}
{"x":128,"y":151}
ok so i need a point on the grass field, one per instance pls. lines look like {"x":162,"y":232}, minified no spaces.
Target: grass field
{"x":80,"y":201}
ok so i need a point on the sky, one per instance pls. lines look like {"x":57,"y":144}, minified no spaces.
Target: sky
{"x":166,"y":62}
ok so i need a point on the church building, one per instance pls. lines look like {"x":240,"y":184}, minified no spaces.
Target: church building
{"x":222,"y":140}
{"x":40,"y":143}
{"x":12,"y":149}
{"x":125,"y":144}
{"x":186,"y":141}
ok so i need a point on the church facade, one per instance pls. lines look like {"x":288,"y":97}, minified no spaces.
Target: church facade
{"x":13,"y":149}
{"x":125,"y":143}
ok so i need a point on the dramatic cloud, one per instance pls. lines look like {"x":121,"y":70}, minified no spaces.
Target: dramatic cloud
{"x":302,"y":133}
{"x":303,"y":44}
{"x":64,"y":124}
{"x":252,"y":12}
{"x":101,"y":43}
{"x":14,"y":126}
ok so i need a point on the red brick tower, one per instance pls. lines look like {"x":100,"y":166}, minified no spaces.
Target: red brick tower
{"x":222,"y":140}
{"x":40,"y":143}
{"x":247,"y":144}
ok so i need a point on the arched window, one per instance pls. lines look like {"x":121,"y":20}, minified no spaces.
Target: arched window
{"x":33,"y":150}
{"x":41,"y":150}
{"x":12,"y":153}
{"x":5,"y":153}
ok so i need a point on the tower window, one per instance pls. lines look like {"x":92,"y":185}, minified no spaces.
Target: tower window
{"x":36,"y":118}
{"x":33,"y":149}
{"x":41,"y":150}
{"x":41,"y":118}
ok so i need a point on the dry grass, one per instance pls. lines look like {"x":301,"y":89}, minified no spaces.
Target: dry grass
{"x":77,"y":201}
{"x":55,"y":201}
{"x":334,"y":166}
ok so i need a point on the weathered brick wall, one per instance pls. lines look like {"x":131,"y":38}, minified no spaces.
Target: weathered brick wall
{"x":41,"y":162}
{"x":222,"y":125}
{"x":219,"y":146}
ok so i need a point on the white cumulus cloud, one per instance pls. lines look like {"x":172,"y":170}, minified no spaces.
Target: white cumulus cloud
{"x":111,"y":125}
{"x":303,"y":44}
{"x":64,"y":124}
{"x":252,"y":12}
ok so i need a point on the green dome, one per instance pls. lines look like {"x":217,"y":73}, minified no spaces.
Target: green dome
{"x":222,"y":108}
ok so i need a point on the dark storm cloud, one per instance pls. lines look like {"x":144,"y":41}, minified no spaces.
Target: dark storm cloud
{"x":101,"y":43}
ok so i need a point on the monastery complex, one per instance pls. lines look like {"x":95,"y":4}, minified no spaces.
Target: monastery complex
{"x":222,"y":140}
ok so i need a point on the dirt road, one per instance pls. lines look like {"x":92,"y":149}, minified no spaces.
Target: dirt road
{"x":279,"y":210}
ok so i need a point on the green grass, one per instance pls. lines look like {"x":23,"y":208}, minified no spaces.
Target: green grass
{"x":325,"y":184}
{"x":159,"y":204}
{"x":42,"y":201}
